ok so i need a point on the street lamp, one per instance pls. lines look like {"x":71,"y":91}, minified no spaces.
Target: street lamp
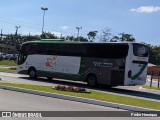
{"x":17,"y":27}
{"x":78,"y":28}
{"x":1,"y":34}
{"x":44,"y":9}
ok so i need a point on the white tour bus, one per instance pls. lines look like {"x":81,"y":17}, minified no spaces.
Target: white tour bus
{"x":112,"y":64}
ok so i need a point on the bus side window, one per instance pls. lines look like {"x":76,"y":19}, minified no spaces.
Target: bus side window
{"x":49,"y":49}
{"x":32,"y":49}
{"x":25,"y":49}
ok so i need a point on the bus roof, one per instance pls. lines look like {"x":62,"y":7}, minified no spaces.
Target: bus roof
{"x":62,"y":41}
{"x":52,"y":40}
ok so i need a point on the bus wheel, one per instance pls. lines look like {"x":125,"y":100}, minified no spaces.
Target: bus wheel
{"x":49,"y":78}
{"x":32,"y":73}
{"x":92,"y":80}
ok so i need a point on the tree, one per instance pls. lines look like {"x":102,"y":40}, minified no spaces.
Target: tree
{"x":70,"y":38}
{"x":114,"y":39}
{"x":127,"y":37}
{"x":29,"y":37}
{"x":91,"y":35}
{"x":154,"y":55}
{"x":82,"y":39}
{"x":48,"y":35}
{"x":106,"y":35}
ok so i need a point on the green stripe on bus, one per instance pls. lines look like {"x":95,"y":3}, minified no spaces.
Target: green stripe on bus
{"x":139,"y":73}
{"x":55,"y":41}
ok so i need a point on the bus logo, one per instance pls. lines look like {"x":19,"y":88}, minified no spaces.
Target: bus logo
{"x":51,"y":61}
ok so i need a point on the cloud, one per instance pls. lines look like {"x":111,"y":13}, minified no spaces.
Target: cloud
{"x":146,"y":9}
{"x":56,"y":33}
{"x":64,"y":27}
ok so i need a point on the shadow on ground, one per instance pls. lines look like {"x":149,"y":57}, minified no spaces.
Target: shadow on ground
{"x":102,"y":88}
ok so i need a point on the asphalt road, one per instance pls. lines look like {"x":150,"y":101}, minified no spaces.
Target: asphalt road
{"x":13,"y":77}
{"x":16,"y":101}
{"x":10,"y":100}
{"x":134,"y":91}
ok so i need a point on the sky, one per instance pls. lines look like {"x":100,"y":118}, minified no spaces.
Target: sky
{"x":141,"y":18}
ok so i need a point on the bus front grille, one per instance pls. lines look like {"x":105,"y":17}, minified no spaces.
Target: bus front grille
{"x":117,"y":77}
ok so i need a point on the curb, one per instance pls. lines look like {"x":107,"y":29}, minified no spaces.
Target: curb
{"x":78,"y":99}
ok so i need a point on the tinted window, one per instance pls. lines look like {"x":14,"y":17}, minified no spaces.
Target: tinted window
{"x":25,"y":49}
{"x":107,"y":50}
{"x":33,"y":49}
{"x":23,"y":54}
{"x":65,"y":49}
{"x":140,"y":50}
{"x":83,"y":50}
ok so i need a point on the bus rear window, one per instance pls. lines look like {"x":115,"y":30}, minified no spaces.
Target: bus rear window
{"x":140,"y":50}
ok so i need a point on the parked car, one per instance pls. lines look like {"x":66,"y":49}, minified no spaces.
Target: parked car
{"x":2,"y":55}
{"x":8,"y":56}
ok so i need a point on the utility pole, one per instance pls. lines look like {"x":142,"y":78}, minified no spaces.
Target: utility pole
{"x":29,"y":36}
{"x":1,"y":45}
{"x":61,"y":34}
{"x":1,"y":34}
{"x":44,"y":9}
{"x":17,"y":27}
{"x":78,"y":28}
{"x":16,"y":35}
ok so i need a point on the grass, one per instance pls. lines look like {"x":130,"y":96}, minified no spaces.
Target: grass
{"x":154,"y":88}
{"x":7,"y":70}
{"x":94,"y":95}
{"x":8,"y":62}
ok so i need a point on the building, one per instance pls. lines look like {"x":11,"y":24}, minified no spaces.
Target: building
{"x":153,"y":68}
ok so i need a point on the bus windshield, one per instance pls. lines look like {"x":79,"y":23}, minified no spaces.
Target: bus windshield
{"x":140,"y":50}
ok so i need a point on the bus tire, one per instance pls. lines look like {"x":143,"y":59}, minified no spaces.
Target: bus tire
{"x":32,"y":73}
{"x":92,"y":80}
